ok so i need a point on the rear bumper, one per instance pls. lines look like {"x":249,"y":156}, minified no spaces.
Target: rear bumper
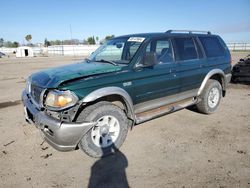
{"x":63,"y":136}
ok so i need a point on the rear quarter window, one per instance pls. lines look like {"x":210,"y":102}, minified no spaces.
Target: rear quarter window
{"x":212,"y":46}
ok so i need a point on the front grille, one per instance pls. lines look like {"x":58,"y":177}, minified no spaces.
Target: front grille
{"x":36,"y":93}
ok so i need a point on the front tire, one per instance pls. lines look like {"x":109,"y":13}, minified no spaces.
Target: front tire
{"x":210,"y":97}
{"x":109,"y":133}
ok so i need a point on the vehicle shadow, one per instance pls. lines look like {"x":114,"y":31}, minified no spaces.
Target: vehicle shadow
{"x":109,"y":171}
{"x":193,"y":108}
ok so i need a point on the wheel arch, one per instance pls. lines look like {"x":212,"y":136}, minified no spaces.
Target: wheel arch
{"x":216,"y":74}
{"x":112,"y":93}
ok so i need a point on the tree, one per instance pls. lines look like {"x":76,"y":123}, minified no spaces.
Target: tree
{"x":71,"y":42}
{"x":97,"y":39}
{"x":91,"y":40}
{"x":28,"y":38}
{"x":1,"y":42}
{"x":55,"y":42}
{"x":15,"y":44}
{"x":9,"y":44}
{"x":108,"y":37}
{"x":46,"y":43}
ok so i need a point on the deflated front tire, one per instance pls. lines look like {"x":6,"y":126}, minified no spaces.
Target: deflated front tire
{"x":109,"y":133}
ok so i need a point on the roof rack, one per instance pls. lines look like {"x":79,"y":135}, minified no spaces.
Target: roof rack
{"x":188,"y":31}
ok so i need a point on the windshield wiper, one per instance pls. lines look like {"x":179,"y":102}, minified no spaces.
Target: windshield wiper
{"x":106,"y":61}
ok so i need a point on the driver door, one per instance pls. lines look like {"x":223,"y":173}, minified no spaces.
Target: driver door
{"x":160,"y":80}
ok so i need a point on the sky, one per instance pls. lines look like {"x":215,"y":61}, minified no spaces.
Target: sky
{"x":52,"y":19}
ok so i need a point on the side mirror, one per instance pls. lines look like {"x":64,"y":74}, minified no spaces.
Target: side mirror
{"x":150,"y":59}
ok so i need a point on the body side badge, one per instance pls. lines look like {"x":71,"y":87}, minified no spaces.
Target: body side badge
{"x":126,"y":84}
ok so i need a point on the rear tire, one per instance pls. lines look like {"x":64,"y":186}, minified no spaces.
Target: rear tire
{"x":210,"y":97}
{"x":110,"y":132}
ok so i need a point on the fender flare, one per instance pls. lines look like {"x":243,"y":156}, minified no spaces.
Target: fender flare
{"x":112,"y":90}
{"x":209,"y":75}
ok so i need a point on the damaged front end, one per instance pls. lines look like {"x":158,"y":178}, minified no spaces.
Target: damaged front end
{"x":53,"y":110}
{"x":58,"y":127}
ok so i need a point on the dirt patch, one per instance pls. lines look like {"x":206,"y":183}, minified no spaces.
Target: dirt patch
{"x":4,"y":79}
{"x":239,"y":86}
{"x":9,"y":103}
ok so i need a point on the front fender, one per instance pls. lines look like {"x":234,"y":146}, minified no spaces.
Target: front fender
{"x":112,"y":90}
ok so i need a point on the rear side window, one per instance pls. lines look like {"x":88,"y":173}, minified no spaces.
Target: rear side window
{"x":185,"y":48}
{"x":212,"y":46}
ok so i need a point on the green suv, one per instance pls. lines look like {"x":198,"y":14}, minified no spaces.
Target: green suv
{"x":128,"y":80}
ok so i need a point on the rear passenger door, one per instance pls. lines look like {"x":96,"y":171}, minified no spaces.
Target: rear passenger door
{"x":189,"y":57}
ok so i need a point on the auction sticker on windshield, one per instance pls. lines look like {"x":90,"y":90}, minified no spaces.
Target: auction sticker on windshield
{"x":136,"y":39}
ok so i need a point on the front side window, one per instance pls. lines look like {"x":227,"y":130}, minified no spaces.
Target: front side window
{"x":185,"y":48}
{"x":212,"y":46}
{"x":118,"y":50}
{"x":162,"y":48}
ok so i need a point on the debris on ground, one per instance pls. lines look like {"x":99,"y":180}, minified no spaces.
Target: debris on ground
{"x":9,"y":143}
{"x":4,"y":152}
{"x":241,"y":152}
{"x":42,"y":143}
{"x":46,"y":156}
{"x":241,"y":71}
{"x":44,"y":148}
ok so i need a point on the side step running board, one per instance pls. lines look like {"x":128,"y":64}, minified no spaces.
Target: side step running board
{"x":163,"y":110}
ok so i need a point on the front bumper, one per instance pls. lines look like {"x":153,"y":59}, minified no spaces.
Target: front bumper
{"x":63,"y":136}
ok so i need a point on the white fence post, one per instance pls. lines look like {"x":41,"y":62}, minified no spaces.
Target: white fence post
{"x":86,"y":50}
{"x":241,"y":46}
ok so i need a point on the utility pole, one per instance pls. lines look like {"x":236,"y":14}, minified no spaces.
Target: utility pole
{"x":72,"y":39}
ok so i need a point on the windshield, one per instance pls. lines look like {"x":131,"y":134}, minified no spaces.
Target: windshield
{"x":117,"y":50}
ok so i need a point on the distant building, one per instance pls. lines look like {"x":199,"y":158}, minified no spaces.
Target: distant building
{"x":24,"y":51}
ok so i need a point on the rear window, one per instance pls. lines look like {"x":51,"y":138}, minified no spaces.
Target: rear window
{"x":212,"y":46}
{"x":185,"y":48}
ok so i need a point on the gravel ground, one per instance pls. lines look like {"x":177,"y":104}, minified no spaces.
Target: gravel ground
{"x":183,"y":149}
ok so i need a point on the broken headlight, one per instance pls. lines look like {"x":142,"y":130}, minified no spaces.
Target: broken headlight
{"x":58,"y":100}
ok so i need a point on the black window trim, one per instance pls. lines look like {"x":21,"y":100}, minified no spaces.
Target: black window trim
{"x":198,"y":42}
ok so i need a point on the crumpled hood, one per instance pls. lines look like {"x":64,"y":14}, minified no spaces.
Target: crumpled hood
{"x":52,"y":78}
